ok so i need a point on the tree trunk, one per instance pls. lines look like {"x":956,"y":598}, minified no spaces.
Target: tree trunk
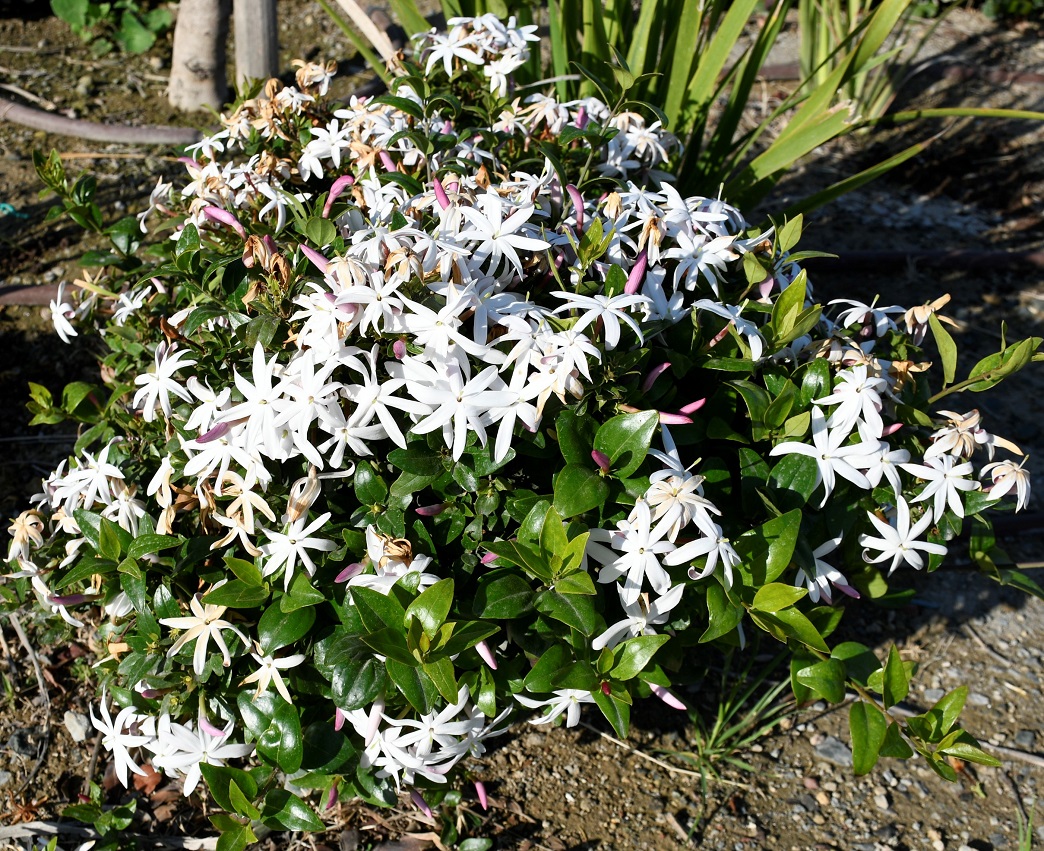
{"x":257,"y":40}
{"x":197,"y":72}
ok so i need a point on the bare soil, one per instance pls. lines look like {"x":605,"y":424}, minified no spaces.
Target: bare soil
{"x":980,"y":186}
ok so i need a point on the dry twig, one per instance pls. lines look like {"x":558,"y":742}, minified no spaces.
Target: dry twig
{"x":45,"y":744}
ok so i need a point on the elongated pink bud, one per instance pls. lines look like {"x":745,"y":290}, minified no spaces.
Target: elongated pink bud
{"x":440,"y":195}
{"x":216,"y":433}
{"x":667,"y":418}
{"x":189,"y":161}
{"x":387,"y":161}
{"x":399,"y":349}
{"x":601,"y":459}
{"x":207,"y":727}
{"x":578,"y":206}
{"x":336,"y":190}
{"x":68,"y":599}
{"x":846,"y":589}
{"x":581,"y":117}
{"x":447,"y":127}
{"x":654,"y":373}
{"x":486,"y":654}
{"x":216,"y":214}
{"x":151,"y":693}
{"x":420,"y":803}
{"x":634,"y":280}
{"x":489,"y":558}
{"x":320,"y":262}
{"x":373,"y":720}
{"x":431,"y":510}
{"x":480,"y":790}
{"x":667,"y":697}
{"x":351,"y":570}
{"x":338,"y":718}
{"x":891,"y":429}
{"x":331,"y":796}
{"x":692,"y":407}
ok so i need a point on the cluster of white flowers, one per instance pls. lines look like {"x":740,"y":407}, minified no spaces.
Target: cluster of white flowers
{"x":471,"y":284}
{"x":405,"y":749}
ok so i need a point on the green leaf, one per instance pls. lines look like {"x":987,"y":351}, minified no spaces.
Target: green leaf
{"x":948,"y":709}
{"x":441,"y":673}
{"x":896,"y":680}
{"x":530,"y":560}
{"x":868,"y":728}
{"x":132,"y":36}
{"x":860,"y":661}
{"x":237,"y":594}
{"x":73,"y":12}
{"x":245,"y":570}
{"x":993,"y":368}
{"x":432,"y":606}
{"x":575,"y":611}
{"x":392,"y":644}
{"x":553,"y":540}
{"x":625,"y":438}
{"x":578,"y":582}
{"x":281,"y":743}
{"x":634,"y":654}
{"x":947,"y":348}
{"x":503,"y":597}
{"x":722,"y":614}
{"x":320,"y":231}
{"x":144,"y":545}
{"x":416,"y":459}
{"x":414,"y":684}
{"x":370,"y":488}
{"x":284,"y":810}
{"x":825,"y":678}
{"x":277,"y":629}
{"x":357,"y":682}
{"x":794,"y":474}
{"x":301,"y":594}
{"x":894,"y":743}
{"x":776,"y":596}
{"x":968,"y":750}
{"x":578,"y":490}
{"x":616,"y":711}
{"x":552,"y":661}
{"x":768,"y":549}
{"x":220,"y":779}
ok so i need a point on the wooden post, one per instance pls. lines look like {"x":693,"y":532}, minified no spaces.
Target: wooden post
{"x":197,"y":68}
{"x":257,"y":40}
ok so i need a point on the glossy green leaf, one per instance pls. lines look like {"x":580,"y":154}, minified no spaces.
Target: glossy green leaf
{"x":625,"y":438}
{"x":432,"y":606}
{"x":634,"y":654}
{"x":237,"y":594}
{"x":573,"y":610}
{"x":579,"y":489}
{"x":285,"y":811}
{"x":826,"y":678}
{"x":896,"y":679}
{"x":776,"y":596}
{"x":277,"y":629}
{"x":504,"y":597}
{"x":868,"y":728}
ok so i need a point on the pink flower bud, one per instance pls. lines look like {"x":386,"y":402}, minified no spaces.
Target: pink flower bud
{"x":207,"y":727}
{"x":891,"y":429}
{"x":440,"y":195}
{"x":216,"y":433}
{"x":431,"y":510}
{"x":605,"y":688}
{"x":765,"y":287}
{"x":339,"y":718}
{"x":654,"y":373}
{"x":489,"y":558}
{"x":452,"y":186}
{"x":667,"y":418}
{"x":667,"y":697}
{"x":387,"y":161}
{"x":190,"y":162}
{"x":151,"y":693}
{"x":320,"y":262}
{"x":373,"y":720}
{"x":216,"y":214}
{"x":331,"y":797}
{"x":634,"y":280}
{"x":447,"y":127}
{"x":581,"y":117}
{"x":601,"y":459}
{"x":351,"y":570}
{"x":480,"y":790}
{"x":399,"y":349}
{"x":578,"y":206}
{"x":420,"y":803}
{"x":692,"y":407}
{"x":486,"y":655}
{"x":336,"y":190}
{"x":68,"y":599}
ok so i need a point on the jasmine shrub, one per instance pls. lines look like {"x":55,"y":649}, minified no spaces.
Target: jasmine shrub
{"x":433,"y":411}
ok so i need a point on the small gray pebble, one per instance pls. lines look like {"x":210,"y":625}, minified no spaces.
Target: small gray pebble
{"x":933,"y":694}
{"x":835,"y":751}
{"x":1025,"y":738}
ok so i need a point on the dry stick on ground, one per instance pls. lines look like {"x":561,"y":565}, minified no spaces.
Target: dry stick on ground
{"x":38,"y":829}
{"x":666,"y":766}
{"x":88,"y":130}
{"x":17,"y":624}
